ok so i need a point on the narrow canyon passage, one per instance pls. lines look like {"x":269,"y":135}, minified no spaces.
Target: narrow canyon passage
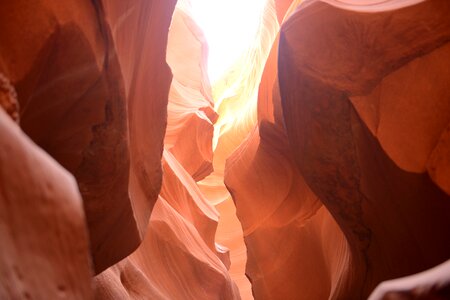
{"x":205,"y":49}
{"x":225,"y":149}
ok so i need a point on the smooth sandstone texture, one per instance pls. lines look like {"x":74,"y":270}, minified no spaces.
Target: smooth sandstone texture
{"x":44,"y":244}
{"x":430,"y":284}
{"x":191,"y":114}
{"x":352,"y":171}
{"x":333,"y":142}
{"x":178,"y":257}
{"x":293,"y":243}
{"x":236,"y":96}
{"x":140,"y":31}
{"x":295,"y":248}
{"x":82,"y":78}
{"x":340,"y":162}
{"x":72,"y":104}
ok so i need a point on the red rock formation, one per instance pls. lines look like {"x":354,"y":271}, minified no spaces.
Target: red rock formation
{"x":190,"y":111}
{"x":178,"y":258}
{"x":335,"y":132}
{"x":72,"y":105}
{"x":290,"y":229}
{"x":75,"y":107}
{"x":293,"y":243}
{"x":366,"y":188}
{"x":8,"y":98}
{"x":44,"y":243}
{"x":139,"y":30}
{"x":328,"y":149}
{"x":430,"y":284}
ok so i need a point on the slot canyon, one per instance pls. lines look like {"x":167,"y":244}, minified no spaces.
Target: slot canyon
{"x":225,"y":149}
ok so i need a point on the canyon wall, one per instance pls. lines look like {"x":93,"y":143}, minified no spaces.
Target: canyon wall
{"x":90,"y":85}
{"x":345,"y":159}
{"x":178,"y":257}
{"x":118,"y":156}
{"x":72,"y":105}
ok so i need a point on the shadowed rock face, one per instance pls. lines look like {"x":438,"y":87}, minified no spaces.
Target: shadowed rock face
{"x":44,"y":243}
{"x":293,"y":242}
{"x":79,"y":87}
{"x":430,"y":284}
{"x":363,"y":186}
{"x":346,"y":120}
{"x":178,"y":257}
{"x":140,"y":31}
{"x":295,"y":248}
{"x":340,"y":174}
{"x":69,"y":87}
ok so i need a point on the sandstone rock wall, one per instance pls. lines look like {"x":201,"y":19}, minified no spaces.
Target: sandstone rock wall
{"x":178,"y":258}
{"x":334,"y":144}
{"x":341,"y":162}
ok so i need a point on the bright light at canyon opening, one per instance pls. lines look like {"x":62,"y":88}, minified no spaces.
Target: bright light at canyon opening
{"x":229,"y":27}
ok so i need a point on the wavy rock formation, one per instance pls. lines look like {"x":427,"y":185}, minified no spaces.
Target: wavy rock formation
{"x":44,"y":243}
{"x":178,"y":258}
{"x":324,"y":182}
{"x":191,"y":112}
{"x":355,"y":171}
{"x":325,"y":147}
{"x":140,"y":32}
{"x":79,"y":87}
{"x":236,"y":103}
{"x":293,"y":243}
{"x":291,"y":229}
{"x":72,"y":105}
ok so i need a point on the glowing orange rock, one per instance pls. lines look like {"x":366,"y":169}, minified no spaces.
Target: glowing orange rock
{"x":139,"y":30}
{"x":293,"y":243}
{"x":62,"y":63}
{"x":354,"y":173}
{"x":337,"y":152}
{"x":178,"y":258}
{"x":328,"y":149}
{"x":290,"y":229}
{"x":191,"y":114}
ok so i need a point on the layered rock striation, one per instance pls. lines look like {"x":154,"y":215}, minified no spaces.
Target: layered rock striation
{"x":342,"y":156}
{"x":331,"y":135}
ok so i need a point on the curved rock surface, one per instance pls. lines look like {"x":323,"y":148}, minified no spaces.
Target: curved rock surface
{"x":191,"y":112}
{"x":82,"y":76}
{"x":44,"y":243}
{"x":430,"y":284}
{"x":140,"y":32}
{"x":330,"y":134}
{"x":72,"y":105}
{"x":293,"y":242}
{"x":178,"y":258}
{"x":335,"y":131}
{"x":355,"y":174}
